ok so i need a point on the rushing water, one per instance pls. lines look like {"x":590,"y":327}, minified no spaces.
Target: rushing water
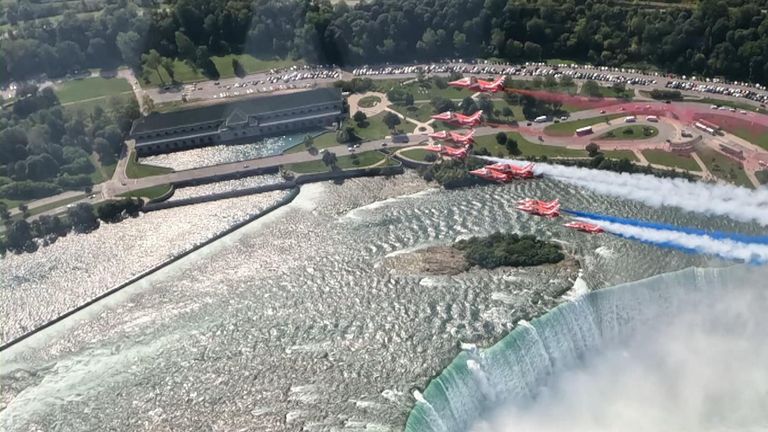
{"x":220,"y":154}
{"x":293,"y":323}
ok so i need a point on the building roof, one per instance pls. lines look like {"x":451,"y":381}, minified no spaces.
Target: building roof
{"x":245,"y":107}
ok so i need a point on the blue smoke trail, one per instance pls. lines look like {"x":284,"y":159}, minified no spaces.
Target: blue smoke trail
{"x":743,"y":238}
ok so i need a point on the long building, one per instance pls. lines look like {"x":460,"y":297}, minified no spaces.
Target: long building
{"x":237,"y":121}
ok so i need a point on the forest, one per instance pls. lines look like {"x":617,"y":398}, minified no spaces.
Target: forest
{"x":712,"y":37}
{"x":509,"y":249}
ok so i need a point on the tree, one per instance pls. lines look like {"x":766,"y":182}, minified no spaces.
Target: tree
{"x":19,"y":236}
{"x":82,"y":218}
{"x":168,"y":66}
{"x":185,"y":47}
{"x":391,"y":120}
{"x":41,"y":167}
{"x":511,"y":146}
{"x":501,"y":138}
{"x":238,"y":68}
{"x":309,"y":142}
{"x":129,"y":45}
{"x":532,"y":50}
{"x":329,"y":159}
{"x":592,"y":149}
{"x":468,"y":105}
{"x":149,"y":104}
{"x":550,"y":81}
{"x":5,"y":215}
{"x":507,"y":112}
{"x":591,"y":88}
{"x":442,"y":104}
{"x":152,"y":60}
{"x":619,"y":88}
{"x":408,"y":101}
{"x":360,"y":118}
{"x":566,"y":81}
{"x":24,"y":209}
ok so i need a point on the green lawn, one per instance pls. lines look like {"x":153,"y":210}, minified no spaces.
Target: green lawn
{"x":628,"y":93}
{"x":422,"y":91}
{"x":87,"y":106}
{"x":738,"y":105}
{"x":150,"y":193}
{"x":102,"y":172}
{"x":90,"y":88}
{"x":526,"y":147}
{"x":620,"y":154}
{"x":760,"y":139}
{"x":369,"y":101}
{"x":138,"y":170}
{"x":631,"y":132}
{"x":517,"y":110}
{"x":569,"y":128}
{"x":723,"y":167}
{"x":661,"y":157}
{"x":344,"y":162}
{"x":556,"y":61}
{"x":416,"y":154}
{"x":182,"y":72}
{"x":420,"y":112}
{"x":250,"y":63}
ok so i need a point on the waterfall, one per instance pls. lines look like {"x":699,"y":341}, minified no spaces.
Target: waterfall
{"x":518,"y":368}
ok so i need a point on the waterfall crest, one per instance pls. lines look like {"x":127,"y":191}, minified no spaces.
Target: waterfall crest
{"x":517,"y":368}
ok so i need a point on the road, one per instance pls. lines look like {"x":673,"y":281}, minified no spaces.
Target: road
{"x":246,"y":167}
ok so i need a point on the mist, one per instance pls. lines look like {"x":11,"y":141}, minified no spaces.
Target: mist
{"x":738,"y":203}
{"x":703,"y":369}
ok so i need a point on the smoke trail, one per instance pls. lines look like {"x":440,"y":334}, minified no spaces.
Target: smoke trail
{"x":753,"y":253}
{"x":659,"y":226}
{"x":722,"y":200}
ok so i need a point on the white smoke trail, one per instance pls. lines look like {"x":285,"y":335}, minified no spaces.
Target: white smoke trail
{"x":724,"y":248}
{"x":722,"y":200}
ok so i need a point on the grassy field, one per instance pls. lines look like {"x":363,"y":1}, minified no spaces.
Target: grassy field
{"x":661,"y":157}
{"x":416,"y":154}
{"x":250,"y":63}
{"x":628,"y":93}
{"x":369,"y":101}
{"x":723,"y":167}
{"x":620,"y":154}
{"x":631,"y":132}
{"x":526,"y":147}
{"x":730,"y":103}
{"x":569,"y":128}
{"x":185,"y":73}
{"x":90,"y":88}
{"x":102,"y":172}
{"x":422,"y":91}
{"x":360,"y":160}
{"x":134,"y":169}
{"x":150,"y":193}
{"x":751,"y":136}
{"x":87,"y":106}
{"x":517,"y":110}
{"x":420,"y":112}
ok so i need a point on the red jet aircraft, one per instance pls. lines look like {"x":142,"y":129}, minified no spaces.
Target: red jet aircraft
{"x":585,"y":227}
{"x":459,"y":119}
{"x":479,"y":85}
{"x":550,"y":209}
{"x":491,"y":175}
{"x":518,"y":172}
{"x":454,"y":136}
{"x":452,"y":152}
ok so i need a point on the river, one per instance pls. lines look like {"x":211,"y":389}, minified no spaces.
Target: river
{"x":293,"y":323}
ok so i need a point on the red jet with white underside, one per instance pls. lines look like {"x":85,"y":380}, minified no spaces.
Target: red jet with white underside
{"x":550,"y":209}
{"x":460,"y":119}
{"x":517,"y":172}
{"x":585,"y":227}
{"x":454,"y":136}
{"x":491,"y":175}
{"x":452,"y":152}
{"x":479,"y":85}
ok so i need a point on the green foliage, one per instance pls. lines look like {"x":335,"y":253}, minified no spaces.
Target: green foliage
{"x":28,"y":190}
{"x":591,"y":88}
{"x":592,"y":149}
{"x":762,"y":176}
{"x":112,"y":211}
{"x":663,"y":94}
{"x":391,"y":120}
{"x":452,"y":174}
{"x":83,"y":218}
{"x":500,"y":249}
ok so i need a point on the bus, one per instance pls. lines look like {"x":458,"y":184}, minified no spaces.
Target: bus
{"x":586,"y":130}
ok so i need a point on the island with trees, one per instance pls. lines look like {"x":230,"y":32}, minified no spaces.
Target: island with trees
{"x":509,"y":250}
